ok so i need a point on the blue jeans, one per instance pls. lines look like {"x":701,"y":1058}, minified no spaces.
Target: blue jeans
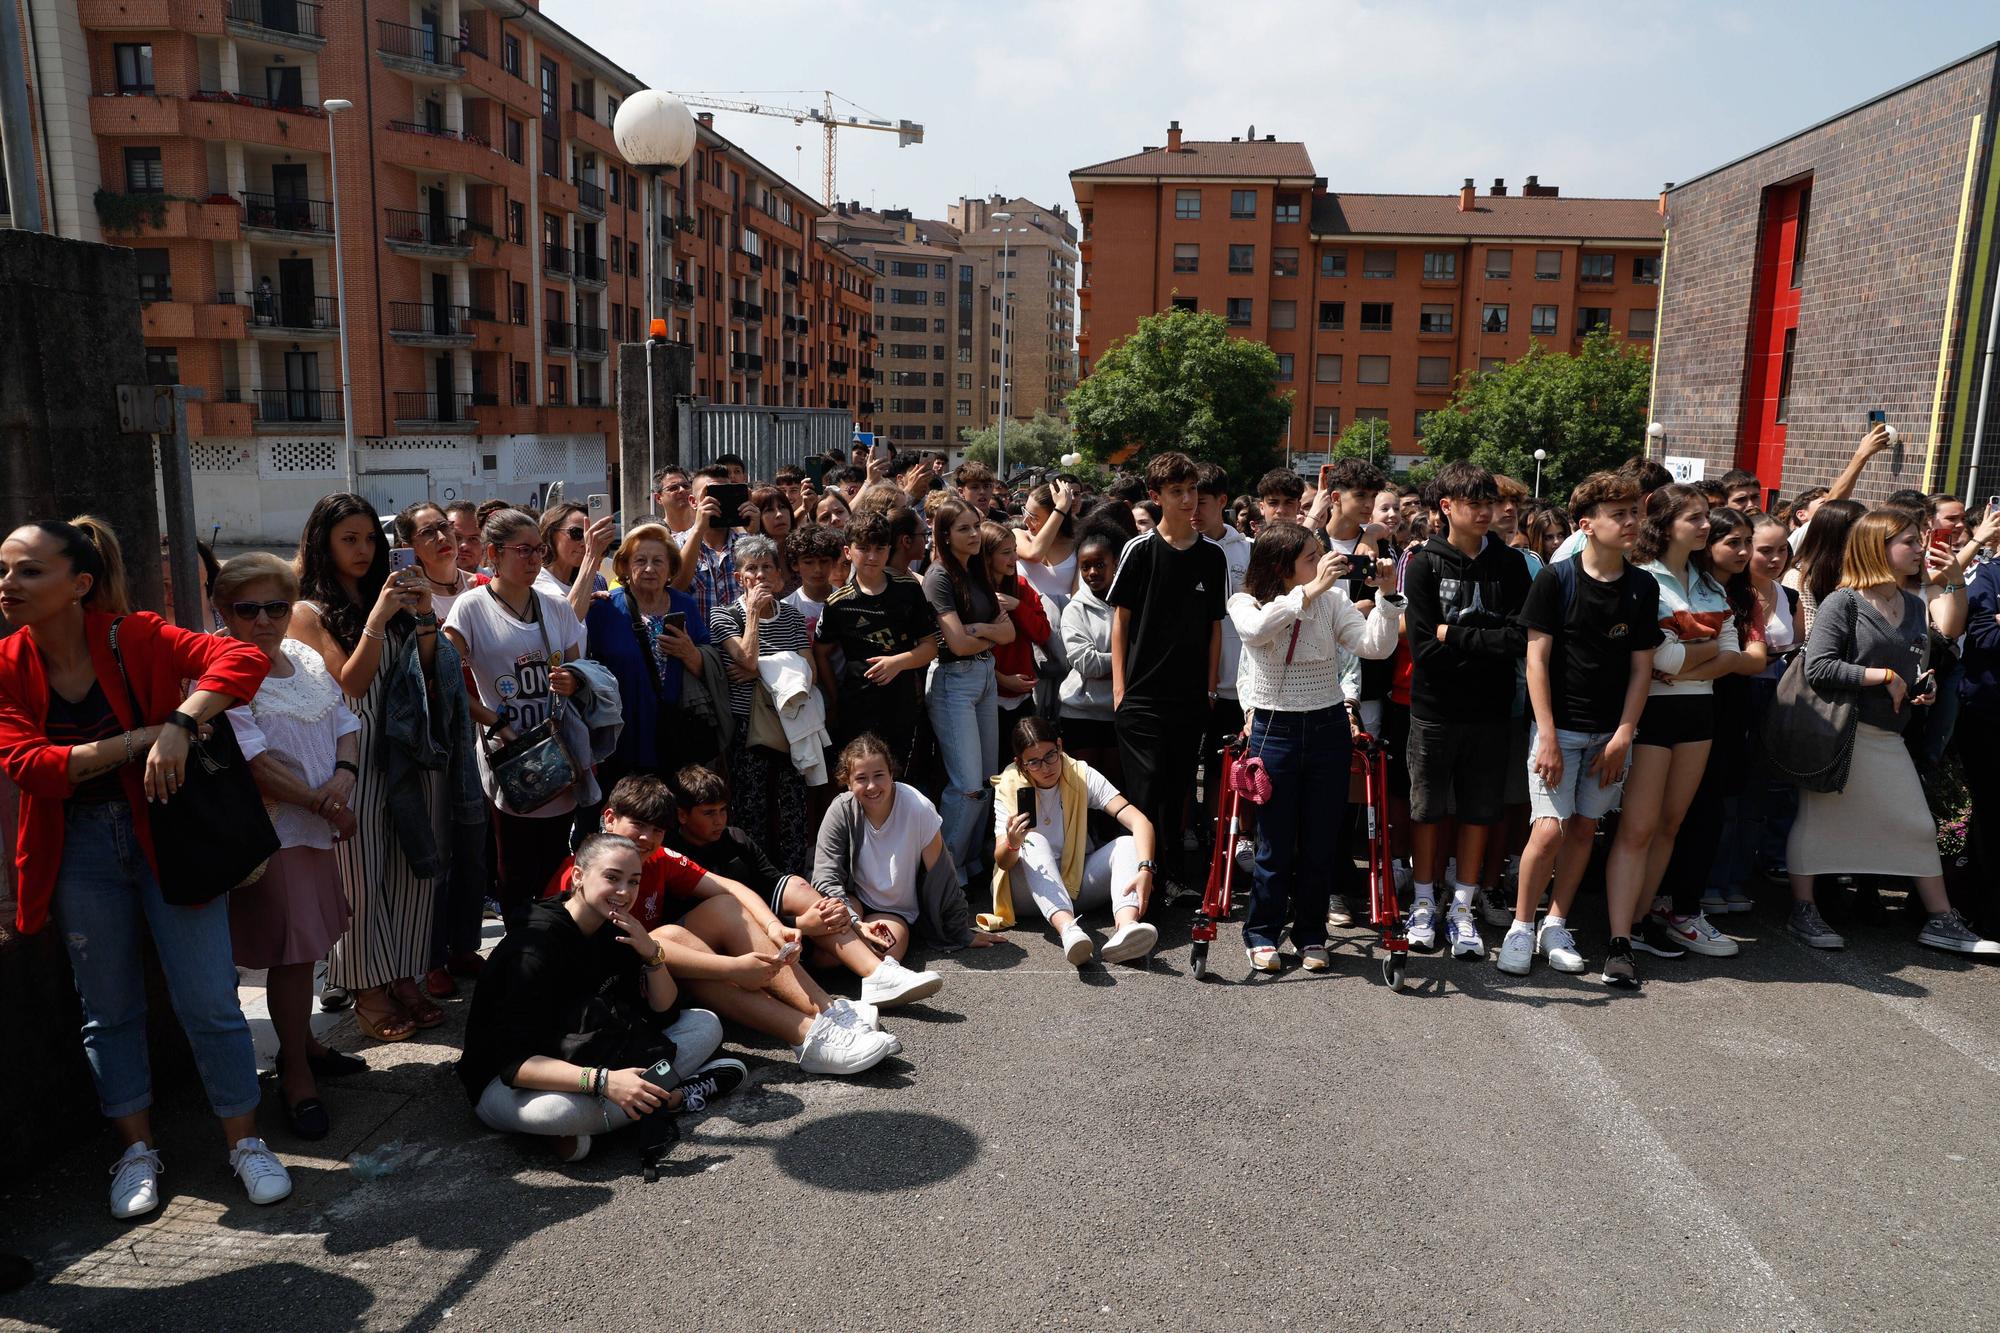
{"x":105,"y":898}
{"x":1309,"y":758}
{"x":964,"y":705}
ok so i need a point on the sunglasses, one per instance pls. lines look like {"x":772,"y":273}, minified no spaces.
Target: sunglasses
{"x":574,"y":534}
{"x":272,"y":610}
{"x":435,"y":532}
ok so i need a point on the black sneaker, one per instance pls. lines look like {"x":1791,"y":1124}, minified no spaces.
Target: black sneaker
{"x":1654,"y":938}
{"x":717,"y":1078}
{"x":1619,"y":970}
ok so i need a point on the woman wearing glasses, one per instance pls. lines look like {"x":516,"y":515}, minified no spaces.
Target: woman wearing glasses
{"x":304,"y":746}
{"x":571,"y":545}
{"x":426,"y":529}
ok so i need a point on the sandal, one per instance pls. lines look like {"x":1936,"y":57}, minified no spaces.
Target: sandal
{"x":416,"y":1004}
{"x":440,"y":984}
{"x":377,"y":1014}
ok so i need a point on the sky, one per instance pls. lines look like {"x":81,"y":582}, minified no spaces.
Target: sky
{"x":1602,"y":99}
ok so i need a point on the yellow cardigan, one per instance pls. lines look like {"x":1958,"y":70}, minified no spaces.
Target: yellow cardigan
{"x":1076,"y":837}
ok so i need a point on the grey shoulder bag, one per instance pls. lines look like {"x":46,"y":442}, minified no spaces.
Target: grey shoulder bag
{"x":1809,"y":734}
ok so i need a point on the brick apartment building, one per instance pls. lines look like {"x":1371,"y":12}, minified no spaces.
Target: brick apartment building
{"x":491,"y":235}
{"x":1847,"y":268}
{"x":1038,"y":246}
{"x":1374,"y":304}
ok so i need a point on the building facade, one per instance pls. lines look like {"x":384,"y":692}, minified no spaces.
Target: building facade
{"x":1846,"y":269}
{"x":1374,"y":304}
{"x":1032,"y":252}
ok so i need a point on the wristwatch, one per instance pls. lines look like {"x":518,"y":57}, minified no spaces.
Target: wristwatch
{"x":1151,"y":867}
{"x":184,"y":722}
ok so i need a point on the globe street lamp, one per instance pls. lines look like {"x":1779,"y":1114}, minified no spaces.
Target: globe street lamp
{"x":1656,"y":434}
{"x":333,"y":106}
{"x":1540,"y":454}
{"x":654,"y":130}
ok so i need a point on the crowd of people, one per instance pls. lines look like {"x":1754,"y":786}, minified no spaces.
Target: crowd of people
{"x":751,"y":749}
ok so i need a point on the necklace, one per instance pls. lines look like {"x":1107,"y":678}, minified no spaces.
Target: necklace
{"x":527,"y":611}
{"x":445,"y":587}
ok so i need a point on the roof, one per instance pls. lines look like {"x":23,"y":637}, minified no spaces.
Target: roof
{"x":1207,"y":157}
{"x":1491,"y":215}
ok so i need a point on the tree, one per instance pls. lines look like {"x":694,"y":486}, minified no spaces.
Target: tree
{"x":1180,"y":381}
{"x":1587,"y":410}
{"x":1366,"y":438}
{"x":1038,"y":442}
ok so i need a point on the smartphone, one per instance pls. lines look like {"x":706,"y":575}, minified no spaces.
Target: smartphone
{"x":401,"y":561}
{"x":732,"y":496}
{"x":677,"y":621}
{"x":598,"y":505}
{"x":1923,"y":684}
{"x":1024,"y":804}
{"x":661,"y":1075}
{"x":878,"y":452}
{"x":789,"y":952}
{"x":1993,"y":502}
{"x":1878,"y":417}
{"x":815,"y":470}
{"x":1325,"y":471}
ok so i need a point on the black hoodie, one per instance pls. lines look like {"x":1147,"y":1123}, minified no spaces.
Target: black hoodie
{"x":1469,"y":677}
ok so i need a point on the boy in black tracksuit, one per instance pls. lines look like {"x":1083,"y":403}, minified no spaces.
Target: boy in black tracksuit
{"x":1465,"y":594}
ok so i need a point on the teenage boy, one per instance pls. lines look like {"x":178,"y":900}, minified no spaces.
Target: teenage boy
{"x":673,"y":494}
{"x":907,"y":536}
{"x":976,"y":485}
{"x":1742,"y":491}
{"x":813,"y":550}
{"x":1465,"y":590}
{"x":1281,"y":495}
{"x":1644,"y":473}
{"x":1593,"y":622}
{"x":1225,"y":714}
{"x":1348,"y":503}
{"x":882,"y":630}
{"x":1166,"y":647}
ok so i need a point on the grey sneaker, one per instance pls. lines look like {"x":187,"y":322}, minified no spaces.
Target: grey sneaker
{"x":1811,"y":928}
{"x":1338,"y":913}
{"x":1947,"y":930}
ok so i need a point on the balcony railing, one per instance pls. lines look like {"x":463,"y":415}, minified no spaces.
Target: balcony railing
{"x":445,"y":407}
{"x":590,"y":267}
{"x":293,"y":16}
{"x":298,"y":404}
{"x":425,"y":44}
{"x":430,"y":320}
{"x":791,"y":277}
{"x":424,"y":228}
{"x":867,"y":336}
{"x":298,"y":108}
{"x":746,"y":310}
{"x":750,"y":361}
{"x":589,"y":399}
{"x":794,"y":369}
{"x":428,"y":131}
{"x":590,"y":339}
{"x":558,"y":332}
{"x":283,"y":213}
{"x":589,"y":194}
{"x":555,"y":258}
{"x":836,"y":367}
{"x":682,"y":293}
{"x":291,"y":310}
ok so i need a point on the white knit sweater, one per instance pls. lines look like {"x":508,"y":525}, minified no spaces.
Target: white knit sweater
{"x":1326,"y":626}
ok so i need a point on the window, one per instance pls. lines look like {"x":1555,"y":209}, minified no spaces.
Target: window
{"x":1373,"y":370}
{"x":510,"y":60}
{"x":1284,"y":314}
{"x":1187,"y":258}
{"x":964,"y":380}
{"x":1187,"y":204}
{"x":558,"y":385}
{"x":963,"y":408}
{"x":1242,"y":258}
{"x":1597,"y":268}
{"x":517,"y":222}
{"x":1434,"y":319}
{"x":1243,"y":203}
{"x":1542,"y":321}
{"x":1548,"y":265}
{"x":1285,"y":208}
{"x":1326,"y":422}
{"x":1646,"y":269}
{"x":1493,"y":319}
{"x":1422,"y":419}
{"x":1640,"y":323}
{"x":1440,"y":266}
{"x":1784,"y":376}
{"x":1377,"y":316}
{"x":1186,"y":303}
{"x":521,"y":397}
{"x":135,"y":66}
{"x":1489,"y":364}
{"x":1284,"y":375}
{"x":1326,"y":369}
{"x":517,"y":302}
{"x":618,"y":322}
{"x":1378,"y":263}
{"x":143,"y":172}
{"x":1590,"y":318}
{"x":1333,"y":314}
{"x":1285,"y":262}
{"x":1372,"y":414}
{"x":513,"y":137}
{"x":1239,"y":310}
{"x":1333,"y":263}
{"x":1433,"y":372}
{"x":631,"y":256}
{"x":163,"y":365}
{"x":1499,"y":263}
{"x":617,"y":256}
{"x":1799,"y":238}
{"x":156,"y":279}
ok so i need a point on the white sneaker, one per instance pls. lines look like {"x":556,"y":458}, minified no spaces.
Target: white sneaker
{"x":1246,"y":854}
{"x":892,"y":984}
{"x":833,"y":1047}
{"x":135,"y":1183}
{"x":1421,"y":925}
{"x":1696,"y":936}
{"x":861,"y":1017}
{"x":1134,"y":940}
{"x":1463,"y":932}
{"x":1076,"y":944}
{"x":1517,"y":952}
{"x":1499,"y":914}
{"x":1556,"y":944}
{"x":264,"y":1177}
{"x":579,"y":1148}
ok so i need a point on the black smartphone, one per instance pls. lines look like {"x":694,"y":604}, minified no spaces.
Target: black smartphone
{"x":815,"y":470}
{"x":731,"y":496}
{"x":1024,"y":803}
{"x":661,"y":1075}
{"x":677,"y":621}
{"x":1923,"y":684}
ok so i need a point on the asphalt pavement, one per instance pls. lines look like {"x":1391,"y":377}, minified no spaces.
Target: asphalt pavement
{"x":1783,"y":1140}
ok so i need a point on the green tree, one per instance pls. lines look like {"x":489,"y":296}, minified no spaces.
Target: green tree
{"x":1038,"y":442}
{"x":1587,"y":410}
{"x":1180,"y":381}
{"x":1367,"y":439}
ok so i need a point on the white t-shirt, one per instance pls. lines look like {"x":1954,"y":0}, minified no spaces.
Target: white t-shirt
{"x":510,"y":666}
{"x":808,"y":609}
{"x":1048,"y":807}
{"x":892,"y":857}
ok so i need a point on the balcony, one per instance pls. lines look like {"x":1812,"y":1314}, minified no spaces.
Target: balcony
{"x":867,"y":336}
{"x":590,"y":400}
{"x":433,"y":411}
{"x":286,"y":219}
{"x":756,"y":262}
{"x":590,"y":270}
{"x":426,"y":235}
{"x":171,"y":319}
{"x":435,"y":149}
{"x":293,"y":23}
{"x":291,"y":409}
{"x":589,"y":196}
{"x":424,"y":52}
{"x":291,"y":315}
{"x":795,"y":323}
{"x":589,"y":132}
{"x":747,"y":311}
{"x":189,"y":16}
{"x":424,"y":324}
{"x":791,"y":277}
{"x":590,"y":342}
{"x":555,"y":258}
{"x":837,"y":367}
{"x":749,"y":362}
{"x":794,"y":369}
{"x":557,"y":332}
{"x":681,"y":293}
{"x":217,"y":219}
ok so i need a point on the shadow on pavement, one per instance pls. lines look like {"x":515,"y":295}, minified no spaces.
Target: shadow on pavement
{"x":262,"y":1295}
{"x":877,"y":1152}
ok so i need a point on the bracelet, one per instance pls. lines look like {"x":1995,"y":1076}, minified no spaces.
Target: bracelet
{"x":659,"y":959}
{"x":603,"y":1077}
{"x":583,"y":1080}
{"x":127,"y":738}
{"x":426,"y":618}
{"x":347,"y":764}
{"x":379,"y":635}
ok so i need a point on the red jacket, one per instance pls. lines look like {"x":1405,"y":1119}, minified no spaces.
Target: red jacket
{"x":1031,"y":631}
{"x":158,"y":658}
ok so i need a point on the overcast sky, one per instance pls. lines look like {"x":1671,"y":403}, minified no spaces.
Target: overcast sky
{"x":1600,"y":98}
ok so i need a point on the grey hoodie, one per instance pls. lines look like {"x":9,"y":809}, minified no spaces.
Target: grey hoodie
{"x":942,"y":911}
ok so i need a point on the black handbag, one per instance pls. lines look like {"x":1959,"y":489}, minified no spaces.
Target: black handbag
{"x":679,"y":736}
{"x":535,"y":767}
{"x":214,"y":834}
{"x":1809,"y":735}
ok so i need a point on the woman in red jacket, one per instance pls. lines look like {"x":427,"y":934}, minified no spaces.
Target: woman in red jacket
{"x":85,"y":766}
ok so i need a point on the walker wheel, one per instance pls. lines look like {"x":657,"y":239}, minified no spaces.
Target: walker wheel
{"x":1393,"y":969}
{"x":1198,"y":960}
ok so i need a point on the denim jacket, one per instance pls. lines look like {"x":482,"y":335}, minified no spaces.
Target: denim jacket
{"x":425,"y":731}
{"x":592,"y":723}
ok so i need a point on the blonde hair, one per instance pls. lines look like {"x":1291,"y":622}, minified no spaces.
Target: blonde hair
{"x":110,"y":593}
{"x":239,"y":572}
{"x":621,"y":563}
{"x":1865,"y":563}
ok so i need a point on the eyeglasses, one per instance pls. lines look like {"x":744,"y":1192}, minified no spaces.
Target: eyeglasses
{"x":574,"y":534}
{"x":672,"y":487}
{"x":435,"y":532}
{"x":525,"y":551}
{"x":271,"y":610}
{"x":1046,"y":762}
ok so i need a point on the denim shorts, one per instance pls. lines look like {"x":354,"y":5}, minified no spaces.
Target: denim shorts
{"x":1577,"y":791}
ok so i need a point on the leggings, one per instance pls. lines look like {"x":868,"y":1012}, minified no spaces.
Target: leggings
{"x":695,"y":1035}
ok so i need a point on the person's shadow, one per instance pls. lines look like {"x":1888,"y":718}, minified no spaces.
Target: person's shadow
{"x":272,"y":1295}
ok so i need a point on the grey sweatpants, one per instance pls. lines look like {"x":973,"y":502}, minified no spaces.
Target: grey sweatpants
{"x":696,"y":1034}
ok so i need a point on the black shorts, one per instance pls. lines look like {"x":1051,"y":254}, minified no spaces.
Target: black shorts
{"x":1458,"y":770}
{"x":1088,"y":731}
{"x":1395,"y":738}
{"x":1676,"y":719}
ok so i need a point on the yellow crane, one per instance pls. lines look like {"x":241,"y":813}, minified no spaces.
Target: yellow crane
{"x":826,"y":116}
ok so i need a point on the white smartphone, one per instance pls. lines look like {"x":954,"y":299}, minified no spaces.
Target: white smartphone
{"x":599,"y":506}
{"x":789,"y":952}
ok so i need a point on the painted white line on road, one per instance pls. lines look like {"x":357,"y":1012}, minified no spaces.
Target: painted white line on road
{"x":1932,"y":1017}
{"x":1666,"y":1183}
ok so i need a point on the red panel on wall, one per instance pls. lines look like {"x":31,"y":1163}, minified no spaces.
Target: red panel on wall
{"x":1774,"y":320}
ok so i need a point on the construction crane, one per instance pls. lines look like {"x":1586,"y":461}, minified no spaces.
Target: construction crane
{"x":825,"y":116}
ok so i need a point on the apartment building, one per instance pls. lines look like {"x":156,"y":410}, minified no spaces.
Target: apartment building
{"x":1375,"y":304}
{"x":1032,"y":251}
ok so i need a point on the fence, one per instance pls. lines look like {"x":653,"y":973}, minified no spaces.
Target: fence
{"x":765,"y":437}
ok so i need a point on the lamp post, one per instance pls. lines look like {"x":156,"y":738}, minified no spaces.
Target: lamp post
{"x":1006,"y":360}
{"x":1656,"y":436}
{"x":333,"y":106}
{"x":654,"y":130}
{"x":1540,"y":454}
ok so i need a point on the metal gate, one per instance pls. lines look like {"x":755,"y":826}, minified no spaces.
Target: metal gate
{"x":766,"y":438}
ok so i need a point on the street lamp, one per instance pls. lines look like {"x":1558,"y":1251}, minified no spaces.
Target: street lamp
{"x":654,"y":130}
{"x":1656,"y":434}
{"x":333,"y":106}
{"x":1006,"y":360}
{"x":1540,"y":454}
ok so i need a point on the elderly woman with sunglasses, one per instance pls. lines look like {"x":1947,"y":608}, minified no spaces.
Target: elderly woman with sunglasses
{"x":304,"y":747}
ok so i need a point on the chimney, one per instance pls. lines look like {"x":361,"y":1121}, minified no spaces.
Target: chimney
{"x":1466,"y":194}
{"x":1664,"y":191}
{"x":707,"y":119}
{"x":1270,"y":138}
{"x":1534,"y":189}
{"x":1499,"y":190}
{"x":1173,"y":136}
